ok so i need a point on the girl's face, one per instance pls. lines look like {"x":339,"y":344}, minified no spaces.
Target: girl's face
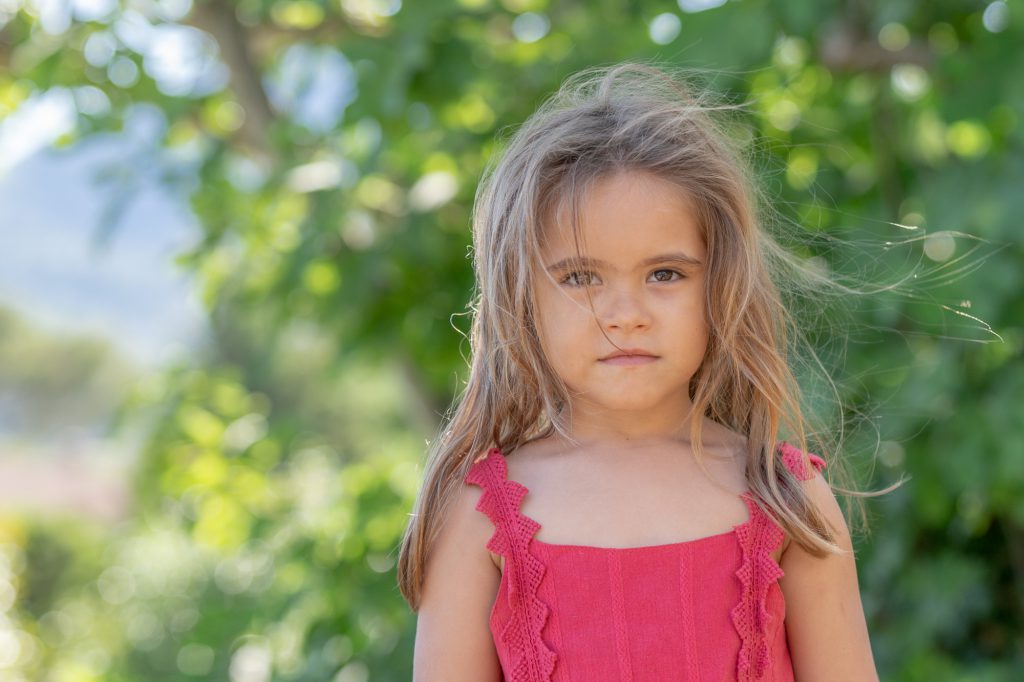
{"x":642,"y":263}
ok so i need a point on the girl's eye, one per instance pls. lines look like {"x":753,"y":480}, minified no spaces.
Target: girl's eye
{"x":666,"y":275}
{"x":579,"y":279}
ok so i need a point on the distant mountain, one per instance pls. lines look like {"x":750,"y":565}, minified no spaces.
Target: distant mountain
{"x":87,"y":237}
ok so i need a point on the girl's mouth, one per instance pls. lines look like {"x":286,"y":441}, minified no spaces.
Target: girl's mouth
{"x":629,"y":359}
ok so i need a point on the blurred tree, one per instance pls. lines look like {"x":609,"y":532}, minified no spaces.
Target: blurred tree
{"x":50,"y":384}
{"x":330,"y":153}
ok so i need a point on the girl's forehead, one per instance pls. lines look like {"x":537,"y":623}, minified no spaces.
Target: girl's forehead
{"x":623,"y":215}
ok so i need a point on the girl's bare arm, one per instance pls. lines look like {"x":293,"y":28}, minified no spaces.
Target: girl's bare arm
{"x":453,"y":639}
{"x":825,"y":625}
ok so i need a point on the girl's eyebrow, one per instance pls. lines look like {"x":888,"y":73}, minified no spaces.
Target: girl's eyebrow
{"x":679,"y":258}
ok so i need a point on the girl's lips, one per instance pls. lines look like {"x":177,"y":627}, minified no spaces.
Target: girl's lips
{"x":630,"y":360}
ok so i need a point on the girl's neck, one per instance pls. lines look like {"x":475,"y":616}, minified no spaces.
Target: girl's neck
{"x":589,"y":424}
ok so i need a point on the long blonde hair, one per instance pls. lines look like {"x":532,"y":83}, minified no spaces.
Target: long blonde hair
{"x":633,"y":117}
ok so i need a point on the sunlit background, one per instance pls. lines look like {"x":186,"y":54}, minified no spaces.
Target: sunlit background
{"x":234,"y":278}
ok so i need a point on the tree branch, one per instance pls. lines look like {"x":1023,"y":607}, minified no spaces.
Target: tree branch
{"x":845,"y":49}
{"x":217,"y":17}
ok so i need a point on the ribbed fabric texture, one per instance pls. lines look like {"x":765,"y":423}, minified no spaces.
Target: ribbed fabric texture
{"x":703,"y":610}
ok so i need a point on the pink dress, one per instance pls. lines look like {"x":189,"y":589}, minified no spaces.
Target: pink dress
{"x":702,"y":610}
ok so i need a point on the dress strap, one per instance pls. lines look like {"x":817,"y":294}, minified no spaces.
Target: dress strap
{"x":502,"y":498}
{"x":758,"y":570}
{"x":796,"y":460}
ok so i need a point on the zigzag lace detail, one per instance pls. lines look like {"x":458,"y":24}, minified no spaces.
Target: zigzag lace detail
{"x":501,"y":501}
{"x":758,"y":538}
{"x":793,"y":457}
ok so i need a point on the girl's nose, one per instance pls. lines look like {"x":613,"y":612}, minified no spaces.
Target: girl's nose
{"x":623,"y":309}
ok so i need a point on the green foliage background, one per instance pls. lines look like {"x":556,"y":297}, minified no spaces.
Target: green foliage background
{"x":281,"y":461}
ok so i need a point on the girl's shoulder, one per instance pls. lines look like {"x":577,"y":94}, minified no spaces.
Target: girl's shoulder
{"x":724,"y":443}
{"x":496,"y":468}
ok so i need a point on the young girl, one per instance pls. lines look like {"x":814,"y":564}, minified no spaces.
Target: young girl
{"x":612,"y":498}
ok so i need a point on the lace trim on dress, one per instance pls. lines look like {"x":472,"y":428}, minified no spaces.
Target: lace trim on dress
{"x":758,"y":570}
{"x":793,"y":457}
{"x":501,"y":501}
